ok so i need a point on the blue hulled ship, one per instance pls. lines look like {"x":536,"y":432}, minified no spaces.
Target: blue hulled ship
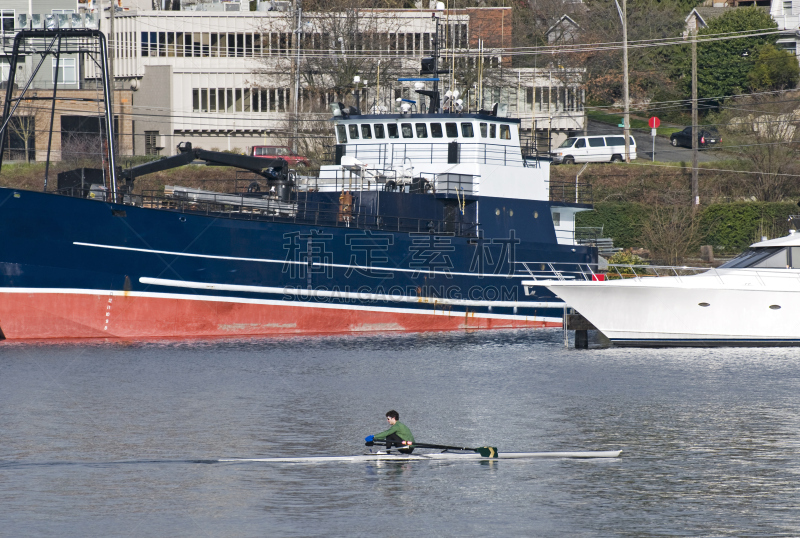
{"x":418,"y":222}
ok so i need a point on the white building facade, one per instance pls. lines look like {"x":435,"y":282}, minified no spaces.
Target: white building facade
{"x":225,"y":79}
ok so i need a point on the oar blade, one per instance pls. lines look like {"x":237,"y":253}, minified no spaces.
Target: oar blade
{"x":487,"y":451}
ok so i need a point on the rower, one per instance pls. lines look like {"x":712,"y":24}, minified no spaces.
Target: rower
{"x":398,"y":435}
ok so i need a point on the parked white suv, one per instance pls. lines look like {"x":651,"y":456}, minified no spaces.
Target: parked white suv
{"x":593,"y":149}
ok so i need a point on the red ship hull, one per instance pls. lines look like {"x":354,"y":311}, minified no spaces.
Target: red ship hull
{"x":41,"y":314}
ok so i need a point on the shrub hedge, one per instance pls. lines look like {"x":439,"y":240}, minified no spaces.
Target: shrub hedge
{"x":729,"y":227}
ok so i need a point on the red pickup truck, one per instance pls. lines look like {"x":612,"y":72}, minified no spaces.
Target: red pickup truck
{"x":294,"y":160}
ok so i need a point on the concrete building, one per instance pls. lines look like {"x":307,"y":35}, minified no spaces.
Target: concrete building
{"x":222,"y":78}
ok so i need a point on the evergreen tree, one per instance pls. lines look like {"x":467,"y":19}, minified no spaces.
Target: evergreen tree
{"x":723,"y":65}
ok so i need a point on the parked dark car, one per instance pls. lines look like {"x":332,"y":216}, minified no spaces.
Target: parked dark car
{"x":706,"y":138}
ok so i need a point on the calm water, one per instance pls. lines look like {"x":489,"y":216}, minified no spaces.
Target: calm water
{"x":114,"y":439}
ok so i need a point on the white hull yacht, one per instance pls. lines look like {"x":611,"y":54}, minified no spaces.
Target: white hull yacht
{"x":752,"y":300}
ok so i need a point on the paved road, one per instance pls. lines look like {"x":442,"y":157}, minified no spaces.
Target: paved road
{"x":664,"y":151}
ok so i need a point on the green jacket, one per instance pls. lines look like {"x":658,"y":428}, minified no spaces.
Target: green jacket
{"x":400,"y":429}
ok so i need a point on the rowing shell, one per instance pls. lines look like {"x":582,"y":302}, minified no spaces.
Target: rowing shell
{"x":438,"y":456}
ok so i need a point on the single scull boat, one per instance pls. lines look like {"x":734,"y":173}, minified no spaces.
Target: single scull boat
{"x":382,"y":456}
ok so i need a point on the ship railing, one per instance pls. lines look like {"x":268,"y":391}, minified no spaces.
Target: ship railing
{"x":391,"y":180}
{"x":571,"y":192}
{"x":346,"y":213}
{"x":397,"y":153}
{"x":549,"y":271}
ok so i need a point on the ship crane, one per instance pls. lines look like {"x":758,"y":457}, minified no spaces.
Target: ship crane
{"x":275,"y":171}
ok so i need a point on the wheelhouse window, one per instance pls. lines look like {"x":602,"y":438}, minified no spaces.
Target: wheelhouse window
{"x":466,"y":130}
{"x":492,"y":131}
{"x":353,"y":132}
{"x":341,"y":134}
{"x":422,"y":130}
{"x":366,"y":131}
{"x":436,"y":130}
{"x":392,"y":129}
{"x":380,"y":132}
{"x":451,"y":129}
{"x":406,"y":130}
{"x":505,"y":132}
{"x":484,"y":130}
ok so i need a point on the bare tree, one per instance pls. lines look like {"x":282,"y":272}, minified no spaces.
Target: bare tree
{"x":81,"y":150}
{"x":647,"y":20}
{"x":343,"y":53}
{"x":761,"y":131}
{"x":671,"y":233}
{"x":23,"y":127}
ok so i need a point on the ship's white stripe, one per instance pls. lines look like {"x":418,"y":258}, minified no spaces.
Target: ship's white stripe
{"x":268,"y":302}
{"x":316,"y":264}
{"x":347,"y":295}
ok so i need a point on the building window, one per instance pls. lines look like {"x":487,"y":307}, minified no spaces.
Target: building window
{"x":4,"y":68}
{"x":6,"y":20}
{"x":787,"y":8}
{"x":67,"y":73}
{"x":151,"y":143}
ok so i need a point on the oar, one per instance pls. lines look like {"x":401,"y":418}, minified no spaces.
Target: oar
{"x":485,"y":451}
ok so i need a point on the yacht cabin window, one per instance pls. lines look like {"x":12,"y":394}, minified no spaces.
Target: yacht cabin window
{"x":405,"y":128}
{"x":341,"y":134}
{"x":379,"y":131}
{"x":436,"y":130}
{"x":353,"y":132}
{"x":492,"y":130}
{"x":783,"y":259}
{"x":366,"y":131}
{"x":422,"y":130}
{"x":505,"y":132}
{"x":451,"y":129}
{"x":484,"y":130}
{"x":392,"y":129}
{"x":466,"y":130}
{"x":767,"y":258}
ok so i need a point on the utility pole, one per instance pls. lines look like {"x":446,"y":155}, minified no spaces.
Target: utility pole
{"x":627,"y":117}
{"x":296,"y":69}
{"x":695,"y":183}
{"x":112,"y":44}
